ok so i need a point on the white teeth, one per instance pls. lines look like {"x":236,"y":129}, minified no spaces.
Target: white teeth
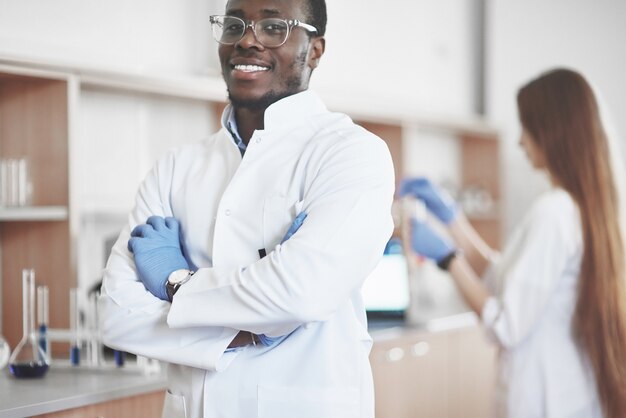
{"x":250,"y":68}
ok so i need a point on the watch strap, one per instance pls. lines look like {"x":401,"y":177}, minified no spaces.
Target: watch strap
{"x":172,"y":288}
{"x":444,"y":263}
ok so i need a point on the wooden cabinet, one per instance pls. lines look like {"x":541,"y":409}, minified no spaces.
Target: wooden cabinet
{"x":90,"y":135}
{"x":445,"y":374}
{"x":480,"y":176}
{"x":82,"y":130}
{"x":141,"y":406}
{"x":34,"y":124}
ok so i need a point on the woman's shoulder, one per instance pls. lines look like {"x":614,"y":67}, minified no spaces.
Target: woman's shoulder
{"x":556,"y":202}
{"x":556,"y":210}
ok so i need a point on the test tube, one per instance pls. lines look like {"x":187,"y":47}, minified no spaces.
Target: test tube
{"x":24,"y":184}
{"x":74,"y":315}
{"x":94,"y":345}
{"x":42,"y":317}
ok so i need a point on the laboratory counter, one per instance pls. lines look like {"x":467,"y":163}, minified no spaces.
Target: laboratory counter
{"x":67,"y":388}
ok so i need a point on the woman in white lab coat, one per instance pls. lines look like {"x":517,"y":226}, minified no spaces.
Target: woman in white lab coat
{"x":555,"y":300}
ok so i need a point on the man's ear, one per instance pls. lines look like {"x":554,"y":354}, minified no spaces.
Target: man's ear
{"x":318,"y":45}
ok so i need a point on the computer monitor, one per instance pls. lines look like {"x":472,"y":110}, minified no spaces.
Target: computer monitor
{"x":386,"y":290}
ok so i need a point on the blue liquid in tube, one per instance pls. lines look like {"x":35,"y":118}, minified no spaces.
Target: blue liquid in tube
{"x":43,"y":342}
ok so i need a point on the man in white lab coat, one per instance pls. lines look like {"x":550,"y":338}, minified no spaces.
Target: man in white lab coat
{"x":255,"y":322}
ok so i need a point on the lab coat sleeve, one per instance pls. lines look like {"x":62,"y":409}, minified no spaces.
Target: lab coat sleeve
{"x":529,"y":272}
{"x":131,"y":318}
{"x":315,"y":272}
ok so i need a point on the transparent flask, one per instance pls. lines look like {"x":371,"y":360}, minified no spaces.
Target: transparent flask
{"x":420,"y":299}
{"x":28,"y":359}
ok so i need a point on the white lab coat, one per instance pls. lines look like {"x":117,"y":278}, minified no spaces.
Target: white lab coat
{"x":541,"y":372}
{"x":306,"y":159}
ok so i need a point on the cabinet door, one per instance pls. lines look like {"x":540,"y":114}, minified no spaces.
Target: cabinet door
{"x":472,"y":365}
{"x":446,"y":374}
{"x":141,"y":406}
{"x":411,"y":376}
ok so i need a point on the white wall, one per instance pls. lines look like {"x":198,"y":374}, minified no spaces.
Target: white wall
{"x":163,"y":36}
{"x":417,"y":54}
{"x":526,"y":37}
{"x":420,"y":56}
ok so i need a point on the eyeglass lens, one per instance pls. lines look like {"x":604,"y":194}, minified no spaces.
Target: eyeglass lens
{"x":269,"y":32}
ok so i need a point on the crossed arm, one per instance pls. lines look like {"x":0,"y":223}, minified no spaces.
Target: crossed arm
{"x":157,"y":248}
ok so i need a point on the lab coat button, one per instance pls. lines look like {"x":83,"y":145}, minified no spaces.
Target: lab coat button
{"x":258,"y":140}
{"x":227,"y":212}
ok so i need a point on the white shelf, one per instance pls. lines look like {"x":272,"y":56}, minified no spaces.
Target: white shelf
{"x":34,"y":213}
{"x":210,"y":87}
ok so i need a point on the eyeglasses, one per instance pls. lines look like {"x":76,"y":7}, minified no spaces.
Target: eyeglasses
{"x":271,"y":32}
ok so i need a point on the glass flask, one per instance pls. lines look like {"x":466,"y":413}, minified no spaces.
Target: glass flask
{"x":28,"y":359}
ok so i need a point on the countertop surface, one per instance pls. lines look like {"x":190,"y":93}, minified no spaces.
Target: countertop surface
{"x":65,"y":388}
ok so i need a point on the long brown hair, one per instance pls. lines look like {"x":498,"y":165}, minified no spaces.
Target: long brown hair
{"x":559,"y":111}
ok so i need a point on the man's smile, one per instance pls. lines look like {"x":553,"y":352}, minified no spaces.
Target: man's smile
{"x":247,"y":68}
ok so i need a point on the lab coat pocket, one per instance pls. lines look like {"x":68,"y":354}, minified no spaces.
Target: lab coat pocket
{"x":174,"y":406}
{"x":278,"y":214}
{"x":308,"y":402}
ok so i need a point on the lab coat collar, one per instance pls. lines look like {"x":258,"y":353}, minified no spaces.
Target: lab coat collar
{"x":286,"y":112}
{"x":293,"y":110}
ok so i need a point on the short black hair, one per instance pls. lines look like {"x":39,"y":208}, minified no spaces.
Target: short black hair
{"x":317,"y":15}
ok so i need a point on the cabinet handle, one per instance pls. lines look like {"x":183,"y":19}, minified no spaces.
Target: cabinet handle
{"x":420,"y":349}
{"x":394,"y":354}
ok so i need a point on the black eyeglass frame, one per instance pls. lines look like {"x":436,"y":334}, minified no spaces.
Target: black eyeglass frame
{"x":291,"y":23}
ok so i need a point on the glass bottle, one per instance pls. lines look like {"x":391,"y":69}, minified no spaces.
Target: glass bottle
{"x":420,"y":299}
{"x":5,"y":352}
{"x":28,"y":359}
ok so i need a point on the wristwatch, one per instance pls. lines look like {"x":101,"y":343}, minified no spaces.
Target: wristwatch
{"x":444,"y":263}
{"x":175,"y":280}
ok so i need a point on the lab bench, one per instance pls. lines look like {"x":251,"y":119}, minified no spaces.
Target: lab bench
{"x":82,"y":392}
{"x":442,"y":367}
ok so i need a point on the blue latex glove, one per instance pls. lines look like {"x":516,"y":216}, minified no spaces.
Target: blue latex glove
{"x":437,"y":200}
{"x":297,"y":223}
{"x":428,"y":243}
{"x":157,"y":251}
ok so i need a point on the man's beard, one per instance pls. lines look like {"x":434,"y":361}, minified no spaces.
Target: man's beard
{"x":293,"y":86}
{"x":262,"y":102}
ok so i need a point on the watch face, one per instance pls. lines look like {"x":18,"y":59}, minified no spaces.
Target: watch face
{"x":178,"y":276}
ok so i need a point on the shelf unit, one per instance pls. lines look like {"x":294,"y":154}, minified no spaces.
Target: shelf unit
{"x":42,"y":116}
{"x":34,"y":123}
